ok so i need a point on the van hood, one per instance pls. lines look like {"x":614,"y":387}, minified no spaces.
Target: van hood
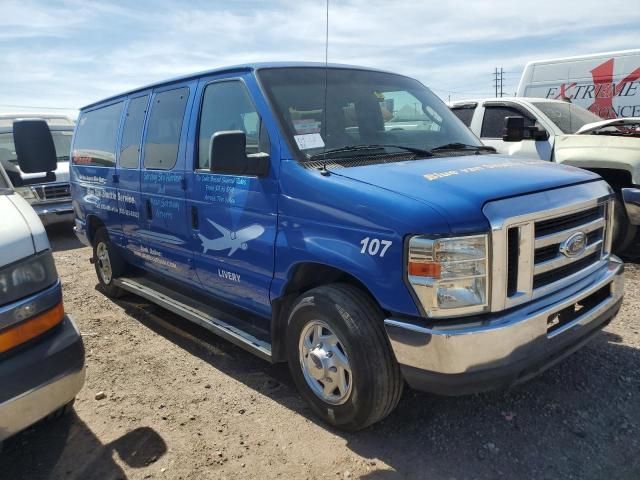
{"x":459,"y":187}
{"x":21,"y":231}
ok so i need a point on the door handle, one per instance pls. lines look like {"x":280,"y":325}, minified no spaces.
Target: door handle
{"x":195,"y":221}
{"x":149,"y":212}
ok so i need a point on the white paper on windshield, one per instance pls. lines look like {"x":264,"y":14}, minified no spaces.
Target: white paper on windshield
{"x":311,"y":140}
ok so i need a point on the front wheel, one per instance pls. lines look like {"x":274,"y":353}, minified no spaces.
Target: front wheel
{"x":624,"y":233}
{"x":340,"y":357}
{"x":109,"y":265}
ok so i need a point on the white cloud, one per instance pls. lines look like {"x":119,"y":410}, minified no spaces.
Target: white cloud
{"x":102,"y":49}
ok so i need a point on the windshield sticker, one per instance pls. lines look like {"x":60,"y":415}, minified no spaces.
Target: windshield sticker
{"x":306,"y":125}
{"x":479,"y":168}
{"x":311,"y":140}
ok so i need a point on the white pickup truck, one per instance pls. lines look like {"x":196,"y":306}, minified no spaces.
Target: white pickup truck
{"x":562,"y":132}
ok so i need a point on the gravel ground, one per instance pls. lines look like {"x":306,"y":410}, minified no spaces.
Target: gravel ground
{"x":180,"y":403}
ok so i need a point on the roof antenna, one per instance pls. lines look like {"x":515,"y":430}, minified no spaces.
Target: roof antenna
{"x":323,"y":170}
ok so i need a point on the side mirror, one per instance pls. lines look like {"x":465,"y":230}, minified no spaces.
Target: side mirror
{"x":513,"y":129}
{"x":227,"y":154}
{"x":34,"y":146}
{"x":538,"y":133}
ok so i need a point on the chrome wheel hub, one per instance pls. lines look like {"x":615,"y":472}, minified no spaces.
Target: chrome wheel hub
{"x":324,"y":363}
{"x":104,"y":264}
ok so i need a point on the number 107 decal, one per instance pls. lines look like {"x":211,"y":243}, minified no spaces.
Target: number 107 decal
{"x":375,"y":246}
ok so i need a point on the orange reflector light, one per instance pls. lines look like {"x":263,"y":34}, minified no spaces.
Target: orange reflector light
{"x":430,"y":269}
{"x":25,"y":331}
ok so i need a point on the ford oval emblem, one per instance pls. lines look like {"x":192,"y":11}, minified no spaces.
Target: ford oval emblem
{"x":575,"y":245}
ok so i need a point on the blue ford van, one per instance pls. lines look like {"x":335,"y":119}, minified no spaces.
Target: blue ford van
{"x":343,"y":220}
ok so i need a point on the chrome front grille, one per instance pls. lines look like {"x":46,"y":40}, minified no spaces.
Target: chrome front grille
{"x":550,"y":264}
{"x":56,"y":191}
{"x":544,"y":241}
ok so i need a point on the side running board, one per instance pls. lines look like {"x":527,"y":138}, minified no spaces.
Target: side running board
{"x":203,"y":315}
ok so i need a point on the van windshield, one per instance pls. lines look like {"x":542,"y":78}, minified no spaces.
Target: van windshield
{"x":363,"y":109}
{"x":568,"y":118}
{"x":61,"y":140}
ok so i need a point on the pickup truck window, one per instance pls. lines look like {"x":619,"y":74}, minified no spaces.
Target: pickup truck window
{"x":61,"y":141}
{"x":362,"y":108}
{"x":567,"y":117}
{"x":493,"y":122}
{"x":132,"y":132}
{"x":465,"y":114}
{"x":95,"y":139}
{"x":227,"y":106}
{"x":164,"y":129}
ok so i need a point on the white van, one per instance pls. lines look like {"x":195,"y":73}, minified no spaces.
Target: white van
{"x":41,"y":351}
{"x":608,"y":84}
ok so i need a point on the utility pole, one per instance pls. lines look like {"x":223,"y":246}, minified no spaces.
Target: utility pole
{"x":498,"y":84}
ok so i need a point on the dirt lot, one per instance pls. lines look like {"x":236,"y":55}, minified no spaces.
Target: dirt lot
{"x":182,"y":404}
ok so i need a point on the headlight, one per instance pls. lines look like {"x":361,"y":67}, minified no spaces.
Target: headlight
{"x":27,"y":277}
{"x":449,"y":275}
{"x":26,"y":193}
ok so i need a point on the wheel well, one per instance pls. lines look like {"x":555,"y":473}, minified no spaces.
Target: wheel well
{"x":93,"y":225}
{"x":305,"y":277}
{"x":616,"y":178}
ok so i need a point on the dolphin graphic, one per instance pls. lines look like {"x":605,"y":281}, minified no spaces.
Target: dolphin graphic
{"x":229,"y":239}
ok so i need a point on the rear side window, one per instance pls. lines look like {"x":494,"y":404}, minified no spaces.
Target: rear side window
{"x":132,"y":132}
{"x":493,"y":122}
{"x":164,"y":129}
{"x":95,"y":139}
{"x":227,"y":106}
{"x":465,"y":114}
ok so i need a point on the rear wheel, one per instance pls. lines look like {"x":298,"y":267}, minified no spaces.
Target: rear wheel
{"x":340,"y":357}
{"x":109,"y":265}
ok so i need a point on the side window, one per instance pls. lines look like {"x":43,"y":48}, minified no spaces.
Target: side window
{"x":95,"y":139}
{"x":465,"y":114}
{"x":132,"y":132}
{"x":493,"y":122}
{"x":164,"y":129}
{"x":227,"y":106}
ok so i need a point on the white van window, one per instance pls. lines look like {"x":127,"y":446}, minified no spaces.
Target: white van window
{"x":132,"y":132}
{"x":164,"y":129}
{"x":95,"y":139}
{"x":227,"y":106}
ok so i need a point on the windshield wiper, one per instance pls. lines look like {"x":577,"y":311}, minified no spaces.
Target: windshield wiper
{"x":356,"y":148}
{"x":463,"y":146}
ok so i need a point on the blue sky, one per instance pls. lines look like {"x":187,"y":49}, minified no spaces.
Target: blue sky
{"x":65,"y":54}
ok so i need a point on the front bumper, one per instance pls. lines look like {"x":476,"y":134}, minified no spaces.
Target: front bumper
{"x":631,"y":199}
{"x":51,"y":213}
{"x":40,"y":378}
{"x":469,"y":356}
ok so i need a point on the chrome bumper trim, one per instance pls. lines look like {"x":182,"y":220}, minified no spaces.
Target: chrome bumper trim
{"x":515,"y":336}
{"x":23,"y":411}
{"x":631,"y":199}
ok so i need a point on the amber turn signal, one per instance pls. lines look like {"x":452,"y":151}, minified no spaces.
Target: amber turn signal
{"x":25,"y":331}
{"x":428,"y":269}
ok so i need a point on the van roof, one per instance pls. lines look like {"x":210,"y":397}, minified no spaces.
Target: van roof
{"x":247,"y":67}
{"x":618,"y":53}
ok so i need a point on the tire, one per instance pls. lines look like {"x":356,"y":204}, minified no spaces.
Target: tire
{"x":374,"y":384}
{"x":624,"y":234}
{"x":108,"y":263}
